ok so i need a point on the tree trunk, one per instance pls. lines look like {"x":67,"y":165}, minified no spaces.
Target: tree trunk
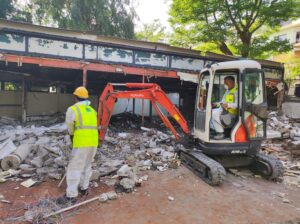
{"x":246,"y":40}
{"x":224,"y":48}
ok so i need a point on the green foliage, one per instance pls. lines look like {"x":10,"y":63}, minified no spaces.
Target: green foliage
{"x":105,"y":17}
{"x":9,"y":9}
{"x":291,"y":64}
{"x":154,"y":32}
{"x":234,"y":26}
{"x":6,"y":8}
{"x":99,"y":16}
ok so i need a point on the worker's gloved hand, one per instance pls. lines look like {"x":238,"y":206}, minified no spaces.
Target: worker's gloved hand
{"x":215,"y":105}
{"x":224,"y":105}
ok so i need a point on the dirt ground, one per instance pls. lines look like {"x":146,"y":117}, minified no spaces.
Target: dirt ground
{"x":238,"y":200}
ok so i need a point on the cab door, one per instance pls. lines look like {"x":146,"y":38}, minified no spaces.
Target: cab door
{"x":201,"y":118}
{"x":254,"y":104}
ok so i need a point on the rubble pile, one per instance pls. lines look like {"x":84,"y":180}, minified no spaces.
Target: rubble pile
{"x":30,"y":154}
{"x":284,"y":143}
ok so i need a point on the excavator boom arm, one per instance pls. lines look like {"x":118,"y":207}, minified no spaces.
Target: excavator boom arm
{"x":147,"y":91}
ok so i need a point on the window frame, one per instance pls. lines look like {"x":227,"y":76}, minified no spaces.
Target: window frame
{"x":242,"y":111}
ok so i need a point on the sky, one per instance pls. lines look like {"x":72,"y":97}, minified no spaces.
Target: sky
{"x":149,"y":10}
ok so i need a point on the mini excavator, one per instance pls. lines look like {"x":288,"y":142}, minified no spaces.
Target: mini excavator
{"x":204,"y":155}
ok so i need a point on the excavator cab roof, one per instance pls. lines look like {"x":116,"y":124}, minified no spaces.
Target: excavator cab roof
{"x":240,"y":65}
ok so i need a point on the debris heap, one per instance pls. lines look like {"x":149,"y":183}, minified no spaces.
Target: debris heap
{"x":31,"y":154}
{"x":284,"y":142}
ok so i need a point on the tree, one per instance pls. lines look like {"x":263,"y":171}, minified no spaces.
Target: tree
{"x":241,"y":27}
{"x":6,"y":8}
{"x":10,"y":9}
{"x":105,"y":17}
{"x":154,"y":32}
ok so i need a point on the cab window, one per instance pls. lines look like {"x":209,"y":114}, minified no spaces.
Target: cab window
{"x":203,"y":90}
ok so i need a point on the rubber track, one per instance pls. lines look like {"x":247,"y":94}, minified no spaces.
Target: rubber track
{"x":217,"y":171}
{"x":276,"y":165}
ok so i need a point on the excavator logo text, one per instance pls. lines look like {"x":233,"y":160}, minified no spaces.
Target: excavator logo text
{"x":137,"y":95}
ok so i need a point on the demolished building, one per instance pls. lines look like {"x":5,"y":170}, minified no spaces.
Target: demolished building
{"x":41,"y":66}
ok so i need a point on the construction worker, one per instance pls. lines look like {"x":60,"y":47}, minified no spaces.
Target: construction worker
{"x":227,"y":108}
{"x":81,"y":120}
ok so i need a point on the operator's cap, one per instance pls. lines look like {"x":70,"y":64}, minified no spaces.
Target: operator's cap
{"x":81,"y":92}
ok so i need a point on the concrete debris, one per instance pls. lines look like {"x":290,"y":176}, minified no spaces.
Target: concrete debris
{"x":5,"y":201}
{"x":285,"y":200}
{"x":6,"y":148}
{"x":14,"y":160}
{"x":284,"y":143}
{"x":95,"y":175}
{"x":8,"y":121}
{"x":170,"y":198}
{"x":28,"y":183}
{"x":103,"y":197}
{"x":126,"y":151}
{"x":127,"y":184}
{"x":112,"y":195}
{"x":124,"y":171}
{"x":144,"y":178}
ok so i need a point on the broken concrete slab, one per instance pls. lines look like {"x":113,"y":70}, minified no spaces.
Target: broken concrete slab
{"x":28,"y":183}
{"x":112,"y":195}
{"x":103,"y":197}
{"x":271,"y":134}
{"x":124,"y":171}
{"x":127,"y":184}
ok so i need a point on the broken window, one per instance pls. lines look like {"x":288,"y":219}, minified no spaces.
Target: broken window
{"x":43,"y":89}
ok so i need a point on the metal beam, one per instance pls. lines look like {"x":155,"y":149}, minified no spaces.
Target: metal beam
{"x":68,"y":64}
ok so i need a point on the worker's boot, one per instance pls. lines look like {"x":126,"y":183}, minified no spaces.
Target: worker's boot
{"x":83,"y":192}
{"x":219,"y":136}
{"x":64,"y":200}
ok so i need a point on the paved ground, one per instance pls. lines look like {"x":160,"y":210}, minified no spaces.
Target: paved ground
{"x":238,"y":200}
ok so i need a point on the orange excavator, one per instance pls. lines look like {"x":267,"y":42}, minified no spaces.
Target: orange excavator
{"x":149,"y":91}
{"x":205,"y":155}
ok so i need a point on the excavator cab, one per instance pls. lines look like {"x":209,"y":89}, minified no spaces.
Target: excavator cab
{"x":249,"y":122}
{"x":244,"y":130}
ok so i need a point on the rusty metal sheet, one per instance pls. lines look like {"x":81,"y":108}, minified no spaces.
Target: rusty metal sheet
{"x":115,"y":55}
{"x":55,"y":47}
{"x":187,"y":63}
{"x":152,"y":59}
{"x":12,"y":42}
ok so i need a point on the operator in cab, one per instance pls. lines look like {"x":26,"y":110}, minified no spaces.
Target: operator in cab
{"x":225,"y":112}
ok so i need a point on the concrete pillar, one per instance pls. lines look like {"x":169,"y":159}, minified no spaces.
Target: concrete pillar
{"x":14,"y":160}
{"x":24,"y":101}
{"x":84,"y":77}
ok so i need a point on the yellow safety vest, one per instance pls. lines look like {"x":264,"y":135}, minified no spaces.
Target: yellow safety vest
{"x":86,"y":128}
{"x":230,"y":99}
